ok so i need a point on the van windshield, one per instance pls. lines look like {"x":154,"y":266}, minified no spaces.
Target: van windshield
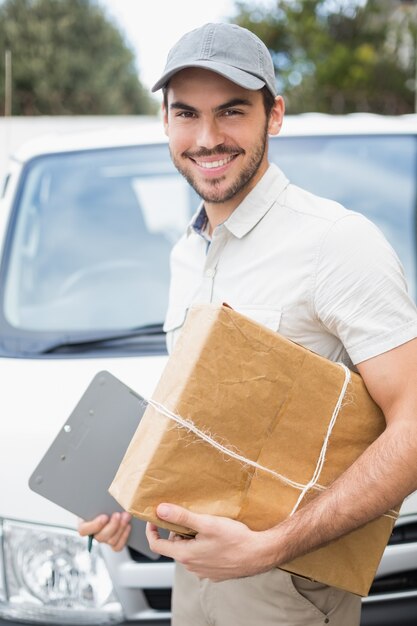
{"x":91,"y":240}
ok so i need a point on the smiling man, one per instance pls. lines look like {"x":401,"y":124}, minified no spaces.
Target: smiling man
{"x":319,"y":274}
{"x":219,"y":143}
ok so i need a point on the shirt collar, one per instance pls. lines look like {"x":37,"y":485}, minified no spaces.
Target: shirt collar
{"x":257,"y":203}
{"x":251,"y":210}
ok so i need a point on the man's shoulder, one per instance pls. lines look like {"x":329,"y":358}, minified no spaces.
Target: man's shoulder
{"x":302,"y":203}
{"x":311,"y":219}
{"x":314,"y":207}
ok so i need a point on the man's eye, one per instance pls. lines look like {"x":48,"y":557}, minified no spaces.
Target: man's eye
{"x":232,"y":112}
{"x":185,"y":114}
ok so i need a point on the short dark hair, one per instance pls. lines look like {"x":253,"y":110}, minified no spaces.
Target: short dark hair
{"x":267,"y":96}
{"x":269,"y":100}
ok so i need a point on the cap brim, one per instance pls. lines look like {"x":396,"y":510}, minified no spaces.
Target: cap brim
{"x":241,"y":78}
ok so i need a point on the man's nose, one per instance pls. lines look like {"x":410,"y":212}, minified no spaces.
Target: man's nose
{"x":209,"y":135}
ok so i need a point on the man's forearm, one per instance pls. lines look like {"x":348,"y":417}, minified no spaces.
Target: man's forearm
{"x":377,"y":482}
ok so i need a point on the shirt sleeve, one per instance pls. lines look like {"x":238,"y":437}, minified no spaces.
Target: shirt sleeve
{"x":360,"y":293}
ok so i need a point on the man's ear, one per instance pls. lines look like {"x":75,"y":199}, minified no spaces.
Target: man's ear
{"x":165,"y":119}
{"x":276,"y":116}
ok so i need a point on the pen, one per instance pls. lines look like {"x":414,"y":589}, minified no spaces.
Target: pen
{"x":90,"y":542}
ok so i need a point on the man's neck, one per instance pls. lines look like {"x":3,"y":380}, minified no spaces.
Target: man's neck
{"x":219,"y":212}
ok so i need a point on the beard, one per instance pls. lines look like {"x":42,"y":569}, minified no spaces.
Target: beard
{"x":211,"y":190}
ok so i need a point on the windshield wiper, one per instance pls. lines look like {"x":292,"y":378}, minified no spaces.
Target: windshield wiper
{"x":90,"y":341}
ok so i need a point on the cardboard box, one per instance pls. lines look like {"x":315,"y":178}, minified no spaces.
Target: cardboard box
{"x":270,"y":401}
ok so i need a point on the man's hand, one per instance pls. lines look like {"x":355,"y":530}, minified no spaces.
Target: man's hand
{"x":112,"y":530}
{"x":222,"y":548}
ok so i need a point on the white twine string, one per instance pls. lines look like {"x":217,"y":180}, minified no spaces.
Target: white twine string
{"x":303,"y":488}
{"x":323,"y":451}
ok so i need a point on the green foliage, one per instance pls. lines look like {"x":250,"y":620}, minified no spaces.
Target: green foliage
{"x":340,"y":56}
{"x":67,"y":59}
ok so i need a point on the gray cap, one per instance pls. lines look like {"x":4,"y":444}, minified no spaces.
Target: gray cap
{"x":227,"y":49}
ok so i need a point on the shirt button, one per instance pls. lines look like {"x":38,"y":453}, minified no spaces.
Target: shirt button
{"x":210,"y":272}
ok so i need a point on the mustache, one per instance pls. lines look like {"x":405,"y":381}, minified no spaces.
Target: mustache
{"x":205,"y":152}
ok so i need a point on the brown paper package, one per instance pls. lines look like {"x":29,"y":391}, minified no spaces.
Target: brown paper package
{"x":271,"y":401}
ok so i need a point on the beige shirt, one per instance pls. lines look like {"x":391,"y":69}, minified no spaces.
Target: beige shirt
{"x":305,"y":266}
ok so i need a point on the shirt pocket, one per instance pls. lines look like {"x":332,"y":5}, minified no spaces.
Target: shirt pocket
{"x":265,"y":315}
{"x":174,"y":321}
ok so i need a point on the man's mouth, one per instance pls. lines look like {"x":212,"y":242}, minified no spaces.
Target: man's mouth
{"x":212,"y":164}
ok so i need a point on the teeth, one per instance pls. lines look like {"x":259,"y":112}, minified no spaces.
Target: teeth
{"x":210,"y":164}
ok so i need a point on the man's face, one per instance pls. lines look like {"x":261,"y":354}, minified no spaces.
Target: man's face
{"x":217,"y":134}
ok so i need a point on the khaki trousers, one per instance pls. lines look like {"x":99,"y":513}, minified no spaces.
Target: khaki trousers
{"x":270,"y":599}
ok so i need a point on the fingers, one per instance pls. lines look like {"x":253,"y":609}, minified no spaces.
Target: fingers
{"x":152,"y":534}
{"x":117,"y":543}
{"x":113,"y":531}
{"x":93,"y":526}
{"x":175,"y":537}
{"x":182,"y":517}
{"x":176,"y":546}
{"x":157,"y":544}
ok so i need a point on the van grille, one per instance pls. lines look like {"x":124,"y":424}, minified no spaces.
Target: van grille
{"x":158,"y":599}
{"x":138,"y":557}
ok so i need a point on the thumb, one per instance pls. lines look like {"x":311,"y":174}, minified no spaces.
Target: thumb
{"x":181,"y":516}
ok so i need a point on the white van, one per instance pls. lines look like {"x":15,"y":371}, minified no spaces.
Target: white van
{"x":86,"y":226}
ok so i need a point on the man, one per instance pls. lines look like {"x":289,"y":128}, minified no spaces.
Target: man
{"x":321,"y":275}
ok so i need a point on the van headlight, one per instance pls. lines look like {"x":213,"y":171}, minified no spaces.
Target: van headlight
{"x":50,"y":577}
